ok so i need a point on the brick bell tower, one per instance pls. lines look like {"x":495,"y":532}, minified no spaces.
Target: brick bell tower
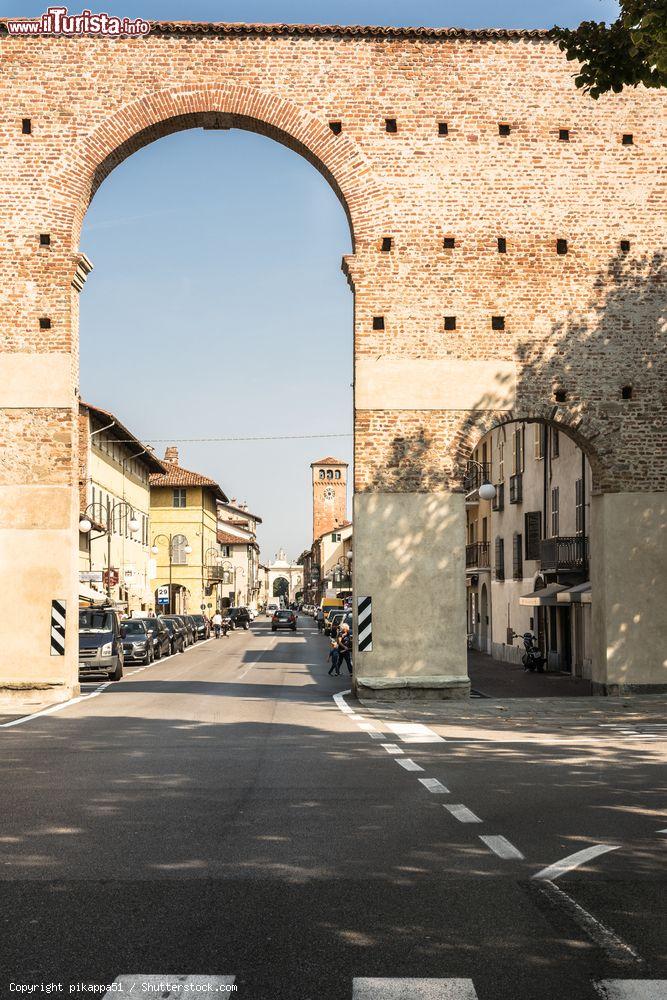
{"x":329,"y":495}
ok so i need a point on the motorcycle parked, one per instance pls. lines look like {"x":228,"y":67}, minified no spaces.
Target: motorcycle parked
{"x":532,"y":659}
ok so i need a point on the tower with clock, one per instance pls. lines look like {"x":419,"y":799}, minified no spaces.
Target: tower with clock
{"x":329,"y":495}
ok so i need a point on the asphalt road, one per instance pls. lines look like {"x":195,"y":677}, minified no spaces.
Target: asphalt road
{"x":219,"y":813}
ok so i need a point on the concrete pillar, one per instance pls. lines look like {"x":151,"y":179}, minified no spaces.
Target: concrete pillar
{"x":409,"y":556}
{"x":629,"y":610}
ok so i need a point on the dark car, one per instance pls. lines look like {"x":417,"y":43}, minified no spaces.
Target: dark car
{"x":159,"y":635}
{"x":240,"y":617}
{"x":137,"y":642}
{"x":283,"y":619}
{"x":177,"y":634}
{"x":202,"y":626}
{"x":188,"y":629}
{"x":192,"y":626}
{"x":100,"y":643}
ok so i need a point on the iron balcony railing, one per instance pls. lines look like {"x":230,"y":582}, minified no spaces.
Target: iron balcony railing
{"x":516,"y":488}
{"x":564,"y":552}
{"x":476,"y":473}
{"x":478,"y":555}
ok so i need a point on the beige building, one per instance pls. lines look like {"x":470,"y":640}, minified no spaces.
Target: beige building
{"x":239,"y":555}
{"x":184,"y":538}
{"x":527,"y":552}
{"x":114,"y":527}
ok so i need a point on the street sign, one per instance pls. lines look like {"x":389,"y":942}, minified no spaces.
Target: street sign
{"x":202,"y":607}
{"x":90,"y":576}
{"x":110,"y":577}
{"x":163,"y":595}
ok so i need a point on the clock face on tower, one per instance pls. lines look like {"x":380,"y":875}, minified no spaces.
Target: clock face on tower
{"x":329,"y":494}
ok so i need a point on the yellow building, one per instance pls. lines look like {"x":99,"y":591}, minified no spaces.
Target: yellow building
{"x":186,"y":552}
{"x":114,"y":470}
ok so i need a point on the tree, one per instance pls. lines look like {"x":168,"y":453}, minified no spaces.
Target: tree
{"x":630,"y":51}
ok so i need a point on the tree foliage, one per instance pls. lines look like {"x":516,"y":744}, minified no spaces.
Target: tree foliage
{"x":630,"y":51}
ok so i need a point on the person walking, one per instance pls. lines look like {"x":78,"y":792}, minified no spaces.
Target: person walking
{"x":345,"y":647}
{"x":320,"y":619}
{"x":334,"y":656}
{"x":217,"y":624}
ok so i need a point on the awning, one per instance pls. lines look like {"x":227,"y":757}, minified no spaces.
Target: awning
{"x":88,"y":594}
{"x":580,"y":594}
{"x":546,"y":597}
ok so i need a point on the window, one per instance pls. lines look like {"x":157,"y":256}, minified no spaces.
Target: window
{"x":335,"y":537}
{"x":555,"y":443}
{"x":329,"y":473}
{"x":517,"y":451}
{"x":555,"y":511}
{"x":179,"y":497}
{"x":178,"y":553}
{"x":322,"y":473}
{"x":226,"y":551}
{"x":500,"y":558}
{"x":501,"y":460}
{"x":517,"y":557}
{"x":337,"y":474}
{"x":533,"y":533}
{"x":538,"y":441}
{"x":579,"y":506}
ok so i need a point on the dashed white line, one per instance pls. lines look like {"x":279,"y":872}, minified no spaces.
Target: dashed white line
{"x":394,"y":749}
{"x":414,"y":732}
{"x":574,"y":861}
{"x":409,"y":764}
{"x":413,"y":989}
{"x":462,"y":813}
{"x":632,"y":989}
{"x":433,"y":785}
{"x":502,"y":847}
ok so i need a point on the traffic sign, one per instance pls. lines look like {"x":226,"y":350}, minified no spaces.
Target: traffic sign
{"x":163,"y":595}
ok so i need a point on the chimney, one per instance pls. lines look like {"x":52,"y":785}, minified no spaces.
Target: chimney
{"x":171,"y":454}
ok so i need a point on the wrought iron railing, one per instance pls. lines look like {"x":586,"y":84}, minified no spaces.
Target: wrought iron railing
{"x":478,"y":555}
{"x":564,"y":552}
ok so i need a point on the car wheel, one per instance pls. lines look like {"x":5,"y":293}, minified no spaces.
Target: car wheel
{"x":116,"y":675}
{"x":245,"y":626}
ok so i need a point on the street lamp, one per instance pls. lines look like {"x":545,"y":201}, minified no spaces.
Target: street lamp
{"x":486,"y":490}
{"x":169,"y":539}
{"x":86,"y":524}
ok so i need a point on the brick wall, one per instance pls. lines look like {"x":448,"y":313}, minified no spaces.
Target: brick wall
{"x":587,"y":321}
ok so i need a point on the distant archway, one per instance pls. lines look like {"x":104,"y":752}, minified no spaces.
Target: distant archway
{"x":281,"y":587}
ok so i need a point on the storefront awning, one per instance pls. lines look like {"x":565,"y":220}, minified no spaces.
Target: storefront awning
{"x":576,"y":595}
{"x":88,"y":594}
{"x":546,"y":597}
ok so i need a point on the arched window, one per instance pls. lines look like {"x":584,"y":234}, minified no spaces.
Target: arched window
{"x":322,"y":473}
{"x":178,"y":553}
{"x":329,"y":474}
{"x":337,"y":474}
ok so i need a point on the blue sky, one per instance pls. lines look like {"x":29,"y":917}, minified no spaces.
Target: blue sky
{"x":217,"y":306}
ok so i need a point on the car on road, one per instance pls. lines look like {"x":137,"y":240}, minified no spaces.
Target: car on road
{"x":177,"y":634}
{"x":240,"y":617}
{"x":100,"y":642}
{"x":137,"y":642}
{"x":271,"y":608}
{"x":188,"y":631}
{"x":191,"y":626}
{"x":202,"y":626}
{"x":283,"y":619}
{"x":159,"y":635}
{"x":332,"y":623}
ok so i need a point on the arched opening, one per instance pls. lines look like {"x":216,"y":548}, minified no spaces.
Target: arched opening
{"x":528,"y":487}
{"x":281,"y":588}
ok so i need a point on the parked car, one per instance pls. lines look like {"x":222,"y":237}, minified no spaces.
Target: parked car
{"x":159,"y":635}
{"x":189,"y":629}
{"x":192,"y":626}
{"x":100,"y":642}
{"x":283,"y":619}
{"x":202,"y":625}
{"x":332,"y":623}
{"x":240,"y":617}
{"x":271,"y":608}
{"x":177,"y":634}
{"x":137,"y":642}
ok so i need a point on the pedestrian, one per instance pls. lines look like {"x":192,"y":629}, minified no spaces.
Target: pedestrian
{"x":345,"y":647}
{"x":320,"y":619}
{"x":217,"y":624}
{"x":334,"y":656}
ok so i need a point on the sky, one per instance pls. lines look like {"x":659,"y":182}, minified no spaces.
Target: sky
{"x":217,"y":307}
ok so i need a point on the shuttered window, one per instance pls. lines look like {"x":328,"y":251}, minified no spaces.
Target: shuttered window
{"x":555,"y":511}
{"x":533,"y":533}
{"x":500,"y":558}
{"x":517,"y":557}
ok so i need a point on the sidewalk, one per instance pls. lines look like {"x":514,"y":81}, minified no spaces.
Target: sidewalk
{"x":497,"y":679}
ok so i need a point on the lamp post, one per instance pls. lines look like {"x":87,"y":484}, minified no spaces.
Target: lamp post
{"x":85,"y":525}
{"x":216,"y":560}
{"x":486,"y":490}
{"x":169,"y":539}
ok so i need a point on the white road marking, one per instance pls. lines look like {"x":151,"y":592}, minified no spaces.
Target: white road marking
{"x":392,"y":748}
{"x":661,"y":831}
{"x":601,"y":935}
{"x":462,"y":813}
{"x":408,"y":764}
{"x":377,"y":736}
{"x":574,"y":861}
{"x":632,"y":989}
{"x":413,"y":989}
{"x":169,"y":985}
{"x":413,"y":732}
{"x":367,"y":725}
{"x":342,"y":704}
{"x":502,"y":847}
{"x":56,"y":708}
{"x":435,"y":786}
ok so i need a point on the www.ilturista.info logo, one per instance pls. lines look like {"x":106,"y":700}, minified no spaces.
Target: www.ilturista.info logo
{"x":56,"y":21}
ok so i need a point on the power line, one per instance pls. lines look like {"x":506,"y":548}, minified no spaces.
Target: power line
{"x":208,"y":440}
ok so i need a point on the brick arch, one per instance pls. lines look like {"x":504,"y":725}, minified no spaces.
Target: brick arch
{"x":339,"y":158}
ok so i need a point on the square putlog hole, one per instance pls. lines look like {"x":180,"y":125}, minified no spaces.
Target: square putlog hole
{"x":450,"y":322}
{"x":625,"y":246}
{"x":449,"y":243}
{"x":502,"y":244}
{"x":628,"y":139}
{"x":390,"y":125}
{"x":497,"y":322}
{"x":336,"y":127}
{"x":26,"y":126}
{"x":44,"y":323}
{"x":564,"y":134}
{"x":443,"y":128}
{"x":378,"y":322}
{"x":503,"y":128}
{"x":386,"y":244}
{"x":561,"y":247}
{"x":45,"y":239}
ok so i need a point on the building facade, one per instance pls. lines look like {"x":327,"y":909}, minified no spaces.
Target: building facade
{"x":114,"y":470}
{"x":238,"y":569}
{"x":281,"y":580}
{"x":184,"y":537}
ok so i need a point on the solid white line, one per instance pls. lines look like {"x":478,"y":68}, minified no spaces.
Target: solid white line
{"x":413,"y":989}
{"x":462,"y":813}
{"x":433,"y":785}
{"x":599,"y":933}
{"x":408,"y":764}
{"x":341,"y":703}
{"x":574,"y":861}
{"x":502,"y":847}
{"x":632,"y":989}
{"x":661,"y":831}
{"x":393,"y":748}
{"x":56,"y":708}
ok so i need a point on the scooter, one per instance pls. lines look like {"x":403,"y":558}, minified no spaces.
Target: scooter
{"x":532,"y":659}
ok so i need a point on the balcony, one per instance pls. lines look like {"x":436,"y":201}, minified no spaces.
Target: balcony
{"x":564,"y":553}
{"x":476,"y":473}
{"x":516,"y":488}
{"x":478,"y":555}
